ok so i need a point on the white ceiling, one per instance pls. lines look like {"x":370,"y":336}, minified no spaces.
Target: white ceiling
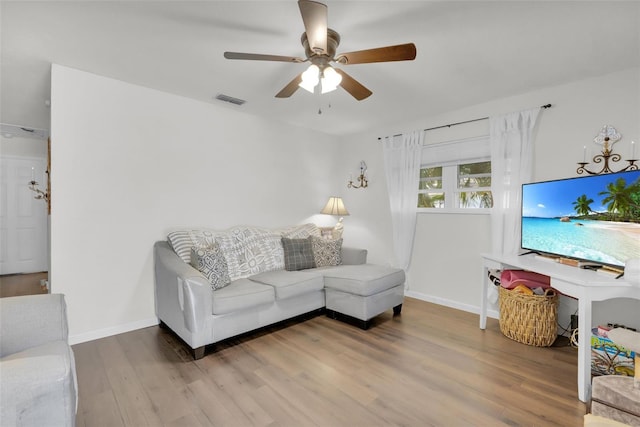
{"x":468,"y":52}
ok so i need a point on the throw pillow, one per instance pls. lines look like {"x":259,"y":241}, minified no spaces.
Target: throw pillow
{"x":298,"y":254}
{"x":250,"y":250}
{"x":211,"y":262}
{"x":326,"y":252}
{"x":183,"y":240}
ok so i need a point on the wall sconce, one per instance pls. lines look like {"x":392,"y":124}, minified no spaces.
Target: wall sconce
{"x":361,"y":181}
{"x":33,"y":184}
{"x":607,"y":137}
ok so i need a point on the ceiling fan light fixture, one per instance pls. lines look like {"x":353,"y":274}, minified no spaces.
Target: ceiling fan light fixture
{"x":330,"y":80}
{"x":310,"y":78}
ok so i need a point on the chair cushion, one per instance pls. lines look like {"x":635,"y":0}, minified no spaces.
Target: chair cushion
{"x":241,"y":294}
{"x":288,"y":284}
{"x":363,"y":279}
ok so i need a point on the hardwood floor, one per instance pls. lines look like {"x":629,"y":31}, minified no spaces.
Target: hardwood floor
{"x":431,"y":366}
{"x":13,"y":285}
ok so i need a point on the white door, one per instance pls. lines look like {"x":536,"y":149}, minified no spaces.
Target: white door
{"x":23,"y":219}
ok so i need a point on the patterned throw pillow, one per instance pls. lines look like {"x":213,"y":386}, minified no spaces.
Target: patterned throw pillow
{"x":183,"y":240}
{"x":326,"y":252}
{"x":250,"y":250}
{"x":298,"y":254}
{"x":211,"y":262}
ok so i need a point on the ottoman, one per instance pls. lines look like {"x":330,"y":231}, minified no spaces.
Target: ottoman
{"x":357,"y":293}
{"x":614,"y":397}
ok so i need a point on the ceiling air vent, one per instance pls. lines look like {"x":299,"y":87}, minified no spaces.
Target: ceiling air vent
{"x":231,"y":99}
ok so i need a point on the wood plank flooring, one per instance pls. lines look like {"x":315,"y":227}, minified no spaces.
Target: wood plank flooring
{"x":13,"y":285}
{"x":431,"y":366}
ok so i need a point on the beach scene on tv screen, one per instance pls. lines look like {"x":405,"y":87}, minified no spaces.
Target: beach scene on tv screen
{"x":594,"y":218}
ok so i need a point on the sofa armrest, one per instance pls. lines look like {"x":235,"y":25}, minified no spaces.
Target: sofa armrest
{"x":30,"y":321}
{"x":183,"y":294}
{"x":38,"y":386}
{"x":353,"y":256}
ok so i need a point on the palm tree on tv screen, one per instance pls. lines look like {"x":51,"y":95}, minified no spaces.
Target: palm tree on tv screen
{"x":619,"y":198}
{"x":582,"y":205}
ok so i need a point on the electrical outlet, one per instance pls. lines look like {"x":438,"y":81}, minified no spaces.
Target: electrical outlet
{"x":574,"y":321}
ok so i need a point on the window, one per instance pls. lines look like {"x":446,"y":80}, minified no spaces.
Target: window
{"x":430,"y":194}
{"x":474,"y":185}
{"x":458,"y":178}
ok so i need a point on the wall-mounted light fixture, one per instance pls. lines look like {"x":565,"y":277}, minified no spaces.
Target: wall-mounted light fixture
{"x":607,"y":137}
{"x":361,"y":180}
{"x":33,"y":184}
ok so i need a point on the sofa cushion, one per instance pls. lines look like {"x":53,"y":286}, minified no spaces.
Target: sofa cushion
{"x":298,"y":254}
{"x":363,"y":279}
{"x":326,"y":251}
{"x":211,"y":262}
{"x":183,"y":240}
{"x":250,"y":250}
{"x":241,"y":294}
{"x":289,"y":284}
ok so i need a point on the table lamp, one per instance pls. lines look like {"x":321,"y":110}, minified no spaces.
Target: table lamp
{"x":335,"y":207}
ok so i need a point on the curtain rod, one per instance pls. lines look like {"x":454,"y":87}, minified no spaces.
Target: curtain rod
{"x":461,"y":123}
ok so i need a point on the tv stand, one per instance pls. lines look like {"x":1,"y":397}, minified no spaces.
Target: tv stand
{"x":584,"y":284}
{"x":531,"y":252}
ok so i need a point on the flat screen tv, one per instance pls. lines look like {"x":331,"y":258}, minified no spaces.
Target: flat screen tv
{"x":593,"y":218}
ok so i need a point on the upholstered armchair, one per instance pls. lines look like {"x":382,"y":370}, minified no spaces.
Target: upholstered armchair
{"x":37,"y":369}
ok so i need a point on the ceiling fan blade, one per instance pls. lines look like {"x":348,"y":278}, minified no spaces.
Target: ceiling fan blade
{"x":352,"y":86}
{"x":290,"y":88}
{"x":401,"y":52}
{"x":259,"y":57}
{"x":314,"y":16}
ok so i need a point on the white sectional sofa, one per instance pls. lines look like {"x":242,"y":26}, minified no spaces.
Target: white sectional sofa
{"x":261,"y":288}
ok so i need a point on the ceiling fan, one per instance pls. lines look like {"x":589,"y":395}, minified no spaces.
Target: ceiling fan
{"x":320,"y":44}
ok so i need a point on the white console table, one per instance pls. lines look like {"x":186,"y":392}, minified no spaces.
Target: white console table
{"x":585,"y":285}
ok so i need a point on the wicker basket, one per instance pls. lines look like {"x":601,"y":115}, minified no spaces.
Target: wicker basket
{"x":529,"y":319}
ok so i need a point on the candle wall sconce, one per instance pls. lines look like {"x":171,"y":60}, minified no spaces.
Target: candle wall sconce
{"x":361,"y":180}
{"x":33,"y":184}
{"x":607,"y":137}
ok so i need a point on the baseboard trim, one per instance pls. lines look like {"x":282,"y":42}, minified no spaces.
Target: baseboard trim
{"x":450,"y":303}
{"x":114,"y":330}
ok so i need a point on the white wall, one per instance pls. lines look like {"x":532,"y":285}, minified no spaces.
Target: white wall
{"x":130,"y":163}
{"x":446,"y":264}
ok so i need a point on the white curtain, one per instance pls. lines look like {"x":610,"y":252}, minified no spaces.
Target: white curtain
{"x":402,"y":168}
{"x":511,"y":166}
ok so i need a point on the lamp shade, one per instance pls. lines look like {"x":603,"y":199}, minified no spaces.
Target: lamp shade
{"x":334,"y":207}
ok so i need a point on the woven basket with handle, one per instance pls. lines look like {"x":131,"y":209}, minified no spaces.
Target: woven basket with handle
{"x":529,"y":319}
